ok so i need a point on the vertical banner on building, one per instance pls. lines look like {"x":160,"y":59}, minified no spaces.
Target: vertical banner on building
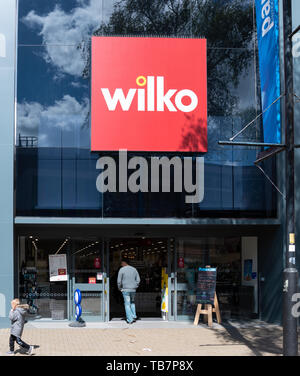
{"x":267,"y":21}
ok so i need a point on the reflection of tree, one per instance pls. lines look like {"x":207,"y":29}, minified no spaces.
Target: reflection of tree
{"x":193,"y":134}
{"x":227,"y":25}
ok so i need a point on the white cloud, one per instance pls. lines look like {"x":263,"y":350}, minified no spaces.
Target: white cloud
{"x":29,"y":116}
{"x":64,"y":34}
{"x":46,"y":122}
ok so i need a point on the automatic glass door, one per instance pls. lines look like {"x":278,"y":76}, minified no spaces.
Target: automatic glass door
{"x":88,"y":276}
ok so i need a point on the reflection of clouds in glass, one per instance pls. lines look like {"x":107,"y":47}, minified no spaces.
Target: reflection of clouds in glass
{"x":29,"y":115}
{"x":65,"y":115}
{"x":60,"y":29}
{"x":78,"y":85}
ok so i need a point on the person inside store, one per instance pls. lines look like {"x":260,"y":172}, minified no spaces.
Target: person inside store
{"x":128,"y":282}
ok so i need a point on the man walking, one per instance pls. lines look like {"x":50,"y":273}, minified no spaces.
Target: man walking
{"x":128,"y":282}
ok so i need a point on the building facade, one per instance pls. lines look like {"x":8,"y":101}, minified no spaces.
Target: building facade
{"x":50,"y":202}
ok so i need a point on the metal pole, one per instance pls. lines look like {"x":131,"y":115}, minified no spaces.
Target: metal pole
{"x":290,"y":274}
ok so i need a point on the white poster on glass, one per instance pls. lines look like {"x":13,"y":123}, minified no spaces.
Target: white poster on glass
{"x":58,"y":268}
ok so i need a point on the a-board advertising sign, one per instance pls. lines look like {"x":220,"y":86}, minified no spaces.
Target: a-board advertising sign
{"x":206,"y":285}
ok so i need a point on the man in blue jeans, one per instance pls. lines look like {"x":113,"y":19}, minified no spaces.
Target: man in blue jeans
{"x":128,"y":282}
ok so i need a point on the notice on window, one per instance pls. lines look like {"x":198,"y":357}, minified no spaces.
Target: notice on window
{"x":58,"y":268}
{"x":248,"y":270}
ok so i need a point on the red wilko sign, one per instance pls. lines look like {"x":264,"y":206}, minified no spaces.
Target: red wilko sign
{"x":149,"y":94}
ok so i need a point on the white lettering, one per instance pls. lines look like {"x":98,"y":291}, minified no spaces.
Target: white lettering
{"x":118,"y":96}
{"x":267,"y":24}
{"x":141,"y":100}
{"x":266,"y":9}
{"x":186,"y":93}
{"x":150,"y":93}
{"x":164,"y":99}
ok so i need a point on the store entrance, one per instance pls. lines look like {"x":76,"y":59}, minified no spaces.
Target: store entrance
{"x":149,"y":256}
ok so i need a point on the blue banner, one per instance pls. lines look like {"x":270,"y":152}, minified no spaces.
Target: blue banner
{"x":267,"y":21}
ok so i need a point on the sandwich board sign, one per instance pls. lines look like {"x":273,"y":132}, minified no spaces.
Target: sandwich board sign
{"x":206,"y":285}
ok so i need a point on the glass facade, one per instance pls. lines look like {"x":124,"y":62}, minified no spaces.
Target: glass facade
{"x":235,"y":298}
{"x":92,"y":265}
{"x":55,"y":170}
{"x":49,"y":292}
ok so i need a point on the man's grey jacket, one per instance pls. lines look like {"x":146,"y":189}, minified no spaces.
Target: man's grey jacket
{"x":128,"y":279}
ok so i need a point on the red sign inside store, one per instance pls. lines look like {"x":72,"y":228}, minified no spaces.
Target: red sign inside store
{"x":181,"y":262}
{"x":149,"y":94}
{"x":97,"y":263}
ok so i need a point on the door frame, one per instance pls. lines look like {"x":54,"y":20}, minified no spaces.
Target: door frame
{"x":85,"y":287}
{"x":171,"y":274}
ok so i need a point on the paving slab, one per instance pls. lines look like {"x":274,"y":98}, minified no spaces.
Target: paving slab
{"x":149,"y":338}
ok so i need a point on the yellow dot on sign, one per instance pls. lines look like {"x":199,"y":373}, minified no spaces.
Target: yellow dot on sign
{"x":141,"y":81}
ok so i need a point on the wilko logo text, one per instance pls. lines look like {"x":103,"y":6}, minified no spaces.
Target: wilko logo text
{"x":150,"y":99}
{"x":149,"y":94}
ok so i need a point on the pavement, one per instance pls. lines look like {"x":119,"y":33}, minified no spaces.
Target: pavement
{"x":149,"y":338}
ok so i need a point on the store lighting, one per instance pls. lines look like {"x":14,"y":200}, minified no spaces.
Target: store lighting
{"x":61,"y":247}
{"x":84,"y":248}
{"x":34,"y":245}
